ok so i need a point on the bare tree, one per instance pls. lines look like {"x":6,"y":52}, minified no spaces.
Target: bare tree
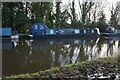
{"x":73,"y":10}
{"x":58,"y":11}
{"x":85,"y":9}
{"x":115,"y":15}
{"x":96,"y":10}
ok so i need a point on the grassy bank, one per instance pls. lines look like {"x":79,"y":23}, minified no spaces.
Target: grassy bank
{"x":103,"y":66}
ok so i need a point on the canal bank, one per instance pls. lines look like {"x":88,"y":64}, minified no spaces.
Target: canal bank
{"x":104,"y":68}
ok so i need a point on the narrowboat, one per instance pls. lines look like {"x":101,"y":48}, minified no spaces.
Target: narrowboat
{"x":40,"y":30}
{"x":6,"y":33}
{"x":111,"y":32}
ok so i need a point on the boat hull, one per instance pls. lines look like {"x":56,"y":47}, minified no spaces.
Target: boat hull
{"x":5,"y":37}
{"x":111,"y":34}
{"x":67,"y":36}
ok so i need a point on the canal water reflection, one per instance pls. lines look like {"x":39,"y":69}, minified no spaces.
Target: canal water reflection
{"x":27,"y":56}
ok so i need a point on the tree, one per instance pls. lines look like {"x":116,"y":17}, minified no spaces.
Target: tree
{"x":20,"y":21}
{"x":85,"y":9}
{"x":8,"y":14}
{"x":64,"y":19}
{"x":57,"y":15}
{"x":96,"y":10}
{"x":101,"y":24}
{"x":48,"y":19}
{"x":14,"y":15}
{"x":42,"y":13}
{"x":115,"y":17}
{"x":37,"y":12}
{"x":73,"y":11}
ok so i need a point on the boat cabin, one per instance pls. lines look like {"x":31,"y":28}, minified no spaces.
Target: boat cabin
{"x":39,"y":29}
{"x":42,"y":29}
{"x":110,"y":29}
{"x":5,"y":32}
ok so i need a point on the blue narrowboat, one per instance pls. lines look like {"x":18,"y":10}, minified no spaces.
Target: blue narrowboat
{"x":40,"y":30}
{"x":5,"y":32}
{"x":111,"y":32}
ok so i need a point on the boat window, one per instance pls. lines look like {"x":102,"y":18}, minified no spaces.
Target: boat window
{"x":81,"y":31}
{"x":77,"y":31}
{"x":41,"y":27}
{"x":51,"y":31}
{"x":36,"y":26}
{"x":88,"y":31}
{"x":84,"y":31}
{"x":92,"y":31}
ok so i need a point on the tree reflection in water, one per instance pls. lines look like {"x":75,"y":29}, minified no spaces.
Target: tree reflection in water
{"x":27,"y":56}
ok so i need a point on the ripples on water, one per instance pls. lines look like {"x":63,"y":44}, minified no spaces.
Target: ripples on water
{"x":27,"y":56}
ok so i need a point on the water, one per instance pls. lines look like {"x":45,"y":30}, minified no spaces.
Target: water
{"x":28,"y":56}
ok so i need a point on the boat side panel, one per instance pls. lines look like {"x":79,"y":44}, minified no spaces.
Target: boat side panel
{"x":68,"y":36}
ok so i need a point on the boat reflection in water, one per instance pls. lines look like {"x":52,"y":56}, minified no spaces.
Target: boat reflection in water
{"x":8,"y":44}
{"x":27,"y":56}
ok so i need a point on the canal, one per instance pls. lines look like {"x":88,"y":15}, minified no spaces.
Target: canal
{"x":28,"y":56}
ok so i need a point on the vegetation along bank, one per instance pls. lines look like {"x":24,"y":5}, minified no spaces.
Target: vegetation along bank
{"x":102,"y":68}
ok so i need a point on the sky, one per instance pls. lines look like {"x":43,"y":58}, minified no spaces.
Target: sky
{"x":107,"y":7}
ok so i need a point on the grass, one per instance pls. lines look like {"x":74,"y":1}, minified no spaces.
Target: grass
{"x":80,"y":70}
